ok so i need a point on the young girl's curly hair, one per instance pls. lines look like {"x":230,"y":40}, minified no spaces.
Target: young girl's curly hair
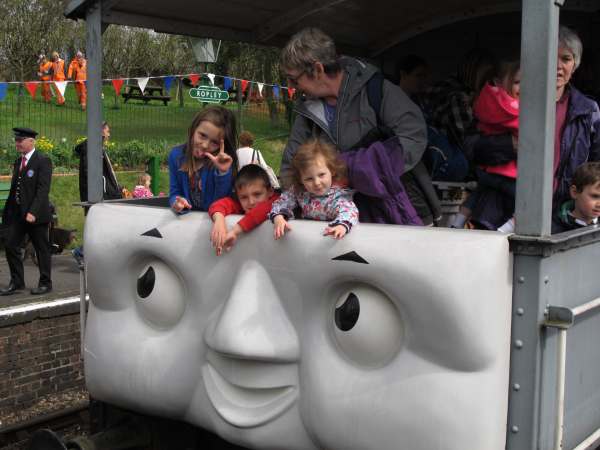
{"x":307,"y":154}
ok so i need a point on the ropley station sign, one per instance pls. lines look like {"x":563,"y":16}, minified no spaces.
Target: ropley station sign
{"x":209,"y":94}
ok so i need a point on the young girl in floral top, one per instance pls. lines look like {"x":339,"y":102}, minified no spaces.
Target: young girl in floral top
{"x":319,"y":190}
{"x":142,"y":189}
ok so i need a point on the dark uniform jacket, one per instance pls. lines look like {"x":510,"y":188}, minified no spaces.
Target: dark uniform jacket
{"x":29,"y":190}
{"x":111,"y":189}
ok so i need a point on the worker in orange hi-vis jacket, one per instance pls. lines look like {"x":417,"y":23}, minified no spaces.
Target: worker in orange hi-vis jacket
{"x":45,"y":74}
{"x":78,"y":72}
{"x":58,"y":74}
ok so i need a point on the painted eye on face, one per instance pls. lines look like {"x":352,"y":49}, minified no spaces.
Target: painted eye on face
{"x":160,"y":295}
{"x":367,"y":326}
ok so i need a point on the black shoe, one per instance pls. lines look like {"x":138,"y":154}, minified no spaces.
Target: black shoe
{"x":41,"y":290}
{"x":11,"y":289}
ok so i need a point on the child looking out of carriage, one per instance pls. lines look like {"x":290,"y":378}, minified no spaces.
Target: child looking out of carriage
{"x":254,"y":197}
{"x":583,"y":209}
{"x":142,"y":188}
{"x":319,"y":189}
{"x":497,"y":111}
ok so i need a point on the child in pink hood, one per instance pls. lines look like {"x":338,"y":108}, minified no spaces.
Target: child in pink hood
{"x":497,"y":112}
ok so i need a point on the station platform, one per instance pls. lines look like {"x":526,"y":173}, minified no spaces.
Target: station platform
{"x":65,"y":281}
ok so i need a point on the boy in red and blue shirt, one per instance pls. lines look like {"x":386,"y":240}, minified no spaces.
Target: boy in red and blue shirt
{"x":254,"y":198}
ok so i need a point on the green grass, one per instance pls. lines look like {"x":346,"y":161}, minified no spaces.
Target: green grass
{"x":131,"y":120}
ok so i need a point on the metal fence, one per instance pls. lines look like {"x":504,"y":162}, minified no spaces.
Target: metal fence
{"x":136,"y":124}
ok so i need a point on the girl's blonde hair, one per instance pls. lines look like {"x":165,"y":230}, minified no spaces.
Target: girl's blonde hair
{"x":221,"y":118}
{"x":307,"y":154}
{"x":142,"y":177}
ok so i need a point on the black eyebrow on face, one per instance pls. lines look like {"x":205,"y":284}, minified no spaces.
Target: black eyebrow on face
{"x":351,"y":256}
{"x":153,"y":233}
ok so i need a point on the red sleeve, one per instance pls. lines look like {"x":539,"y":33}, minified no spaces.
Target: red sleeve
{"x":258,"y":214}
{"x":225,"y":206}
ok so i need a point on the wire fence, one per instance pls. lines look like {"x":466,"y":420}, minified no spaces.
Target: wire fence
{"x":140,"y":127}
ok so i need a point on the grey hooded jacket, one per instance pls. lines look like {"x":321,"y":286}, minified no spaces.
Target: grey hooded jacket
{"x":355,"y":117}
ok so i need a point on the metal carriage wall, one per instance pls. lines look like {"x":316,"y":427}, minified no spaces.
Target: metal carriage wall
{"x":549,"y":272}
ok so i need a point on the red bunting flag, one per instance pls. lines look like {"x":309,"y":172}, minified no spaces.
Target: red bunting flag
{"x":291,"y":92}
{"x":117,"y":85}
{"x":244,"y":85}
{"x":32,"y":86}
{"x":194,"y":77}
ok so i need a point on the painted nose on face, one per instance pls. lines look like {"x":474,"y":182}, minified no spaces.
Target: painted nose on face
{"x":253,"y":323}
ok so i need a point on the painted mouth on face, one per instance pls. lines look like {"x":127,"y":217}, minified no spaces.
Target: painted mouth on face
{"x":246,"y":407}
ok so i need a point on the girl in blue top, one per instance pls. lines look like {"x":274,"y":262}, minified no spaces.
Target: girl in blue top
{"x":201,"y":170}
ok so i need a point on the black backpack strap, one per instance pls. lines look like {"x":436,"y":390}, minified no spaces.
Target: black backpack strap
{"x":375,"y":97}
{"x":375,"y":93}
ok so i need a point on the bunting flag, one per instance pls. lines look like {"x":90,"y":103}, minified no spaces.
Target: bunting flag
{"x":31,"y":87}
{"x":117,"y":85}
{"x":168,"y":83}
{"x":61,"y":86}
{"x":142,"y":82}
{"x":228,"y":84}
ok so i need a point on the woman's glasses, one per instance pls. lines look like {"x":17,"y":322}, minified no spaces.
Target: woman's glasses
{"x":293,"y":79}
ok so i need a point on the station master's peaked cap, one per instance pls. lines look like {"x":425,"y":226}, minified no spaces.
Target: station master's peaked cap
{"x":24,"y":133}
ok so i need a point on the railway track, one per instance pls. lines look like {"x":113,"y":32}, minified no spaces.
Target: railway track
{"x":73,"y":419}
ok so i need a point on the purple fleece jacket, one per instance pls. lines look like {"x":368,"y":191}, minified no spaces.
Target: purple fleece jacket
{"x":374,"y":172}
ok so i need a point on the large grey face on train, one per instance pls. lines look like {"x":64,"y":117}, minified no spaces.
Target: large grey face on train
{"x":393,"y":338}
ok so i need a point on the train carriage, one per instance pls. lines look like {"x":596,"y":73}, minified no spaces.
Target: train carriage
{"x":394,"y":338}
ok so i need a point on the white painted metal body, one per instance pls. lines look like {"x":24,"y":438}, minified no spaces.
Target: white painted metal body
{"x":246,"y":345}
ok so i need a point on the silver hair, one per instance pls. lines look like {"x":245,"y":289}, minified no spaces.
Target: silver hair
{"x":78,"y":54}
{"x":307,"y":47}
{"x":569,"y":39}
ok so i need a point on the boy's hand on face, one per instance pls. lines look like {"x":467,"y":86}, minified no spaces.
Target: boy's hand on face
{"x":218,"y":233}
{"x":337,"y":232}
{"x":222,"y":160}
{"x":180,"y":204}
{"x":280,"y":226}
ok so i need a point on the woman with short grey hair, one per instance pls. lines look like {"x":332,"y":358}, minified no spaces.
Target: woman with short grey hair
{"x":307,"y":47}
{"x":577,"y":118}
{"x":336,"y":105}
{"x":568,"y":39}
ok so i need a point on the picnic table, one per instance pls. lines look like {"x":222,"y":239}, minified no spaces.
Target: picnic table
{"x":150,"y":93}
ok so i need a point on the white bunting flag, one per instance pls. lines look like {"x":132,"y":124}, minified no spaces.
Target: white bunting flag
{"x":211,"y":77}
{"x":142,"y":82}
{"x":260,"y":88}
{"x":61,"y":86}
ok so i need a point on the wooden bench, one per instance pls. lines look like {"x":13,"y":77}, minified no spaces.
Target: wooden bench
{"x":150,"y":93}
